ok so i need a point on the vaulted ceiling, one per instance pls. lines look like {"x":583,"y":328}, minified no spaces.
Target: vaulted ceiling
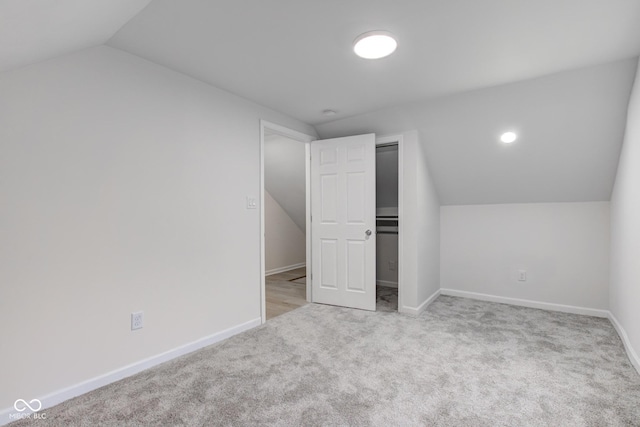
{"x":34,"y":30}
{"x":464,"y":70}
{"x":296,"y":56}
{"x":570,"y":128}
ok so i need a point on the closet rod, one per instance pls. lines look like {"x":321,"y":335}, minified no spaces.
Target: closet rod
{"x":387,"y":144}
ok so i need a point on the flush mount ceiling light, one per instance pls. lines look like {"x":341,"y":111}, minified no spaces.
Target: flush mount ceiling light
{"x":508,"y":137}
{"x":329,"y":113}
{"x":374,"y":44}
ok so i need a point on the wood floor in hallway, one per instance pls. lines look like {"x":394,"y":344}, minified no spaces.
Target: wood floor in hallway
{"x":285,"y":291}
{"x":288,"y":291}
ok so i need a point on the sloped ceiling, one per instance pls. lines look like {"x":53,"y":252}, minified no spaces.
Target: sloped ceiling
{"x":570,"y":128}
{"x":464,"y":71}
{"x":35,"y":30}
{"x":296,"y":56}
{"x":284,"y":176}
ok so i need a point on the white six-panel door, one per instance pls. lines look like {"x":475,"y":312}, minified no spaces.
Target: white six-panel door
{"x":343,"y":220}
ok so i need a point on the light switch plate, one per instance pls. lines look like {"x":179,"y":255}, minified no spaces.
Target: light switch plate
{"x":251,"y":203}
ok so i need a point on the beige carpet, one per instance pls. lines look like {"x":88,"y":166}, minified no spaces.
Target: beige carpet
{"x":461,"y":363}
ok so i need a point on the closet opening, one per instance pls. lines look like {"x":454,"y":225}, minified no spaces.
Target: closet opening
{"x":387,"y":226}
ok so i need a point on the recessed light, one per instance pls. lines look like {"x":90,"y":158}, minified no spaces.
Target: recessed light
{"x":329,"y":112}
{"x":508,"y":137}
{"x":374,"y":44}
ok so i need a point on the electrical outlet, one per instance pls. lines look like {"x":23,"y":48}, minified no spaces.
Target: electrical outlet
{"x":392,"y":266}
{"x":136,"y":320}
{"x":522,"y":275}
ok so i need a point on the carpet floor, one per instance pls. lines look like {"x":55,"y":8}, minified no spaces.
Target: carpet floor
{"x":461,"y":363}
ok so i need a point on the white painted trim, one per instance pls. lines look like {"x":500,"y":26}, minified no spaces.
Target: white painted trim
{"x":298,"y":136}
{"x":386,"y":283}
{"x":527,"y":303}
{"x":283,"y":269}
{"x":263,"y":292}
{"x":401,"y":227}
{"x":633,"y":356}
{"x":416,"y":311}
{"x":67,"y":393}
{"x":307,"y":174}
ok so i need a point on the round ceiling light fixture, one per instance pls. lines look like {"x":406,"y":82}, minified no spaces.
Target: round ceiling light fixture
{"x":374,"y":44}
{"x":508,"y":137}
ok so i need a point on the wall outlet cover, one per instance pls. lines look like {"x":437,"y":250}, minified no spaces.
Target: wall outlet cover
{"x":137,"y":320}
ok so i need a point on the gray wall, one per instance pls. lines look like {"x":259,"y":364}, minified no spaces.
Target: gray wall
{"x":563,"y":247}
{"x":123,"y":188}
{"x":284,"y":242}
{"x":625,"y":232}
{"x":284,"y":176}
{"x":387,"y":176}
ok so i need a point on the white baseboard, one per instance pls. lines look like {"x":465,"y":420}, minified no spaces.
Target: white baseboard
{"x":386,"y":284}
{"x":283,"y":269}
{"x":67,"y":393}
{"x":527,"y":303}
{"x":633,"y":356}
{"x":415,"y":311}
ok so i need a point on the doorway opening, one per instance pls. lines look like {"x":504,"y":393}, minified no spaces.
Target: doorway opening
{"x":360,"y":277}
{"x":284,"y":222}
{"x":387,"y":225}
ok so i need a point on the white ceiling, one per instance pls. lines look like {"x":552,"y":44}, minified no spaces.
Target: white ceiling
{"x":35,"y":30}
{"x":463,"y":71}
{"x":296,"y":56}
{"x":570,"y":127}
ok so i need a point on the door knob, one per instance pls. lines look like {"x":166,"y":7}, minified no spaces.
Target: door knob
{"x":368,"y":233}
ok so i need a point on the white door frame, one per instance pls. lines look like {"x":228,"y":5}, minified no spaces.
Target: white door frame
{"x":391,"y":139}
{"x":306,"y":139}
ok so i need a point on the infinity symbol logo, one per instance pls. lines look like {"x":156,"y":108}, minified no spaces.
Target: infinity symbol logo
{"x":21,"y":405}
